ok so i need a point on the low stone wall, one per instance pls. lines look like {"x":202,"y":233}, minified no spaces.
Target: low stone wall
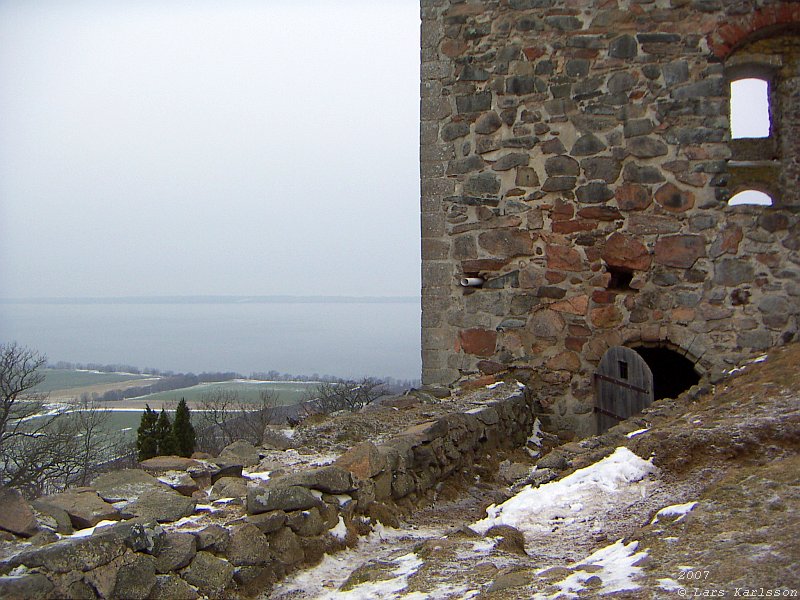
{"x":291,"y":520}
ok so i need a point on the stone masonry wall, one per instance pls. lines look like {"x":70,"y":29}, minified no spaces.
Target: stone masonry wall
{"x":291,"y":520}
{"x":563,"y":142}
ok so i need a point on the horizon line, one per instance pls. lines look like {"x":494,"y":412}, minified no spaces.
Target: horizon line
{"x":207,"y":299}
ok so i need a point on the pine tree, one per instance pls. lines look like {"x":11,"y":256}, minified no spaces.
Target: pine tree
{"x":183,"y":430}
{"x":146,"y":440}
{"x":165,"y":438}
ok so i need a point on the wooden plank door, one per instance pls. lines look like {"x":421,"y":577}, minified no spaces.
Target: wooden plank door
{"x":623,"y":386}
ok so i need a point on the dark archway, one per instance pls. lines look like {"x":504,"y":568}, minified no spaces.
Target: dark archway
{"x":673,"y":373}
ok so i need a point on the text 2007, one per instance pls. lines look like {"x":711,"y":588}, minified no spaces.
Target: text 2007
{"x":693,"y":575}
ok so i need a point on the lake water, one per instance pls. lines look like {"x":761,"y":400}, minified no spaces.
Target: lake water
{"x":343,"y":339}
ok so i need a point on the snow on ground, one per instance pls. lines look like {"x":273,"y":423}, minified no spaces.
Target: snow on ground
{"x":617,"y":569}
{"x":679,"y":510}
{"x":322,"y":582}
{"x":582,"y":497}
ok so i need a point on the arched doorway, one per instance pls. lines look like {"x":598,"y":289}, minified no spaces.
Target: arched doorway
{"x":623,"y":386}
{"x":673,"y":373}
{"x":629,"y":379}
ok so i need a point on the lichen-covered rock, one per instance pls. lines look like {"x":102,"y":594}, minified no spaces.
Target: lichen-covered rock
{"x":33,"y":586}
{"x":269,"y":521}
{"x":214,"y":538}
{"x":136,"y":578}
{"x":248,"y":546}
{"x":286,"y":546}
{"x":208,"y":573}
{"x":81,"y":554}
{"x":172,"y":587}
{"x":330,"y":479}
{"x":177,"y":551}
{"x":162,"y":505}
{"x":363,"y":460}
{"x":125,"y":484}
{"x":305,"y":523}
{"x":266,"y":498}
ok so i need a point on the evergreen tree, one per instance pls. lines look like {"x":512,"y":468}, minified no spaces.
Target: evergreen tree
{"x":165,"y":438}
{"x":183,"y":430}
{"x":146,"y":440}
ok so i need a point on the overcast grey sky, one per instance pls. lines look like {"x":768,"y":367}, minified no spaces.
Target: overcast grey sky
{"x":160,"y":147}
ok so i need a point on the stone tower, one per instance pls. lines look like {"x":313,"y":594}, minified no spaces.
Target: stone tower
{"x":578,"y":167}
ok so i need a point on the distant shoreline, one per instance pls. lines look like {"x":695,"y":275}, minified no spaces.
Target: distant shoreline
{"x":281,"y":299}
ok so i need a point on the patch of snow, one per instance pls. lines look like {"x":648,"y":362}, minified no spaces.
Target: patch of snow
{"x":182,"y":522}
{"x":616,"y":572}
{"x":633,"y":434}
{"x":536,"y":435}
{"x":491,"y":386}
{"x":90,"y":530}
{"x":224,"y":500}
{"x":320,"y":582}
{"x":520,"y":385}
{"x":262,"y":475}
{"x":343,"y":499}
{"x":759,"y":359}
{"x":669,"y":585}
{"x":534,"y":510}
{"x":316,"y":493}
{"x":484,"y":546}
{"x":407,"y":565}
{"x":676,"y":509}
{"x":340,"y":531}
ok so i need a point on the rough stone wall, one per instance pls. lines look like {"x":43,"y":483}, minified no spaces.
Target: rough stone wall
{"x":291,"y":520}
{"x":564,"y":141}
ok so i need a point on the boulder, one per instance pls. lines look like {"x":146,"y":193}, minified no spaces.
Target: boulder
{"x":209,"y":574}
{"x":232,"y":470}
{"x":169,"y":587}
{"x":180,"y":481}
{"x":286,"y":546}
{"x":84,"y":507}
{"x":16,"y":515}
{"x":54,"y":517}
{"x":177,"y":552}
{"x":306,"y":523}
{"x":162,"y":505}
{"x":139,"y":535}
{"x":81,"y":554}
{"x":213,"y":537}
{"x":248,"y":546}
{"x":25,"y":587}
{"x":136,"y":578}
{"x":126,"y":484}
{"x":363,"y":461}
{"x":229,"y":487}
{"x":266,"y":498}
{"x":330,"y":479}
{"x":268,"y":522}
{"x":239,"y":452}
{"x":161,"y":464}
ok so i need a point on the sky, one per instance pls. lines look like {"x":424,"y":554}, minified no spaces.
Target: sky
{"x":245,"y":147}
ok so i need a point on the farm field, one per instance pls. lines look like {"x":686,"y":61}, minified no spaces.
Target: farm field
{"x":62,"y":380}
{"x":288,"y":392}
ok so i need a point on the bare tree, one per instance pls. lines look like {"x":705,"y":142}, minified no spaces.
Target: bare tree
{"x":25,"y":418}
{"x":226,"y":417}
{"x":351,"y":395}
{"x":44,"y":447}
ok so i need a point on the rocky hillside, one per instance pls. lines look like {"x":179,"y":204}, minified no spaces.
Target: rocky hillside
{"x":413,"y":500}
{"x":697,"y":497}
